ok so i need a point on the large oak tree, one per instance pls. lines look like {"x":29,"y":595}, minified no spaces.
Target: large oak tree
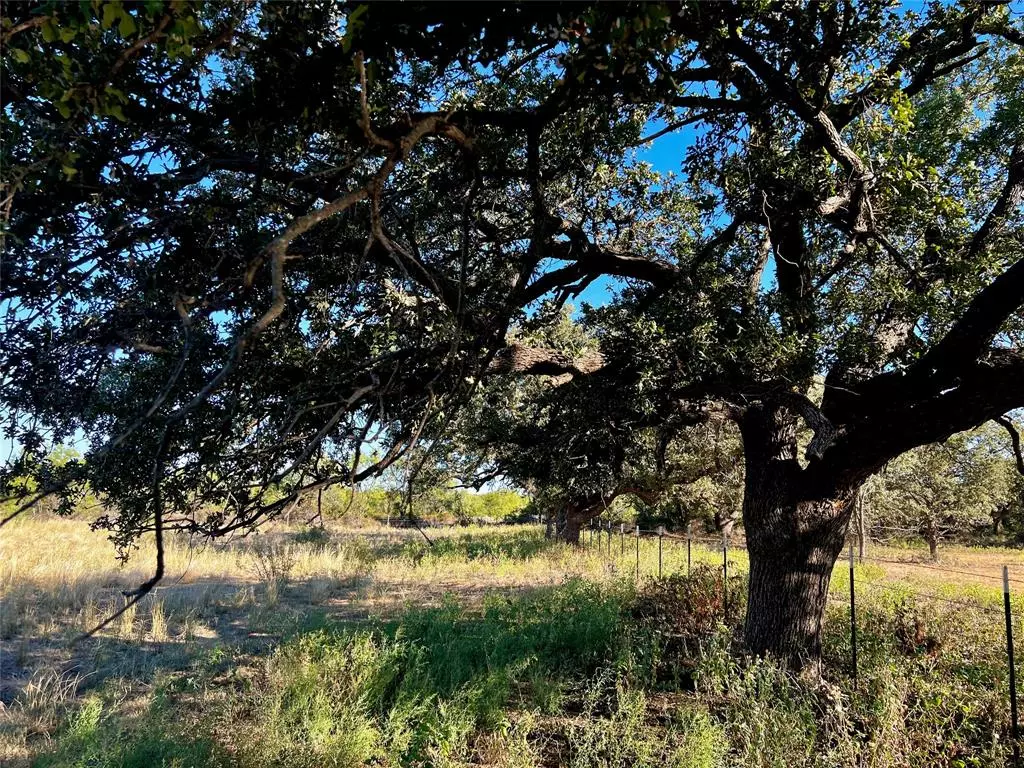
{"x":247,"y":243}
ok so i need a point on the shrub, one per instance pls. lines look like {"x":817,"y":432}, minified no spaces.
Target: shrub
{"x":683,"y":614}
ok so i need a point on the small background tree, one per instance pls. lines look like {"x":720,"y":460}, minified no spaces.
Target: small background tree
{"x":944,"y":490}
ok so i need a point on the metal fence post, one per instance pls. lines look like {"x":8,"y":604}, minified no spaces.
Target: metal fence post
{"x":725,"y":575}
{"x":853,"y":621}
{"x":609,"y":539}
{"x":689,"y":542}
{"x":638,"y":553}
{"x":1013,"y":672}
{"x":661,"y":535}
{"x":622,"y":538}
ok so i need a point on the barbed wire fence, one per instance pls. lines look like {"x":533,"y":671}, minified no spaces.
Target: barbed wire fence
{"x":601,"y":535}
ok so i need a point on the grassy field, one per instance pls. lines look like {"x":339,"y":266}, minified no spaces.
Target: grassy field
{"x":345,"y":647}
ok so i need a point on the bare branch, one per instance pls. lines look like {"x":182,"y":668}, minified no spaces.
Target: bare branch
{"x":971,"y":334}
{"x":1006,"y":423}
{"x":1010,"y":199}
{"x":36,"y":21}
{"x":138,"y":45}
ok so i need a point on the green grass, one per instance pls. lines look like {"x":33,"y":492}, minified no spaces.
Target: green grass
{"x":418,"y":690}
{"x":97,"y":738}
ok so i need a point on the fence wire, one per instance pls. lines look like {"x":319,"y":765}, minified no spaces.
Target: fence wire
{"x":727,"y":544}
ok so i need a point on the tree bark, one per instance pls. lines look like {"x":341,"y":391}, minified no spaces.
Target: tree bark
{"x":570,"y":530}
{"x":724,"y":522}
{"x":788,"y":587}
{"x":795,"y":531}
{"x":931,"y":535}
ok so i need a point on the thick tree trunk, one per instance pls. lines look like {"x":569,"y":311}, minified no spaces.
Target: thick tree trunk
{"x":788,"y":584}
{"x":724,"y":522}
{"x":578,"y":514}
{"x":933,"y":544}
{"x":794,"y":535}
{"x":570,"y":530}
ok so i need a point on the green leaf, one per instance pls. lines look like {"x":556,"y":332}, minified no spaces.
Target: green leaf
{"x":64,"y":109}
{"x":67,"y":34}
{"x":190,"y":27}
{"x":127,"y":26}
{"x":69,"y":171}
{"x":49,"y":31}
{"x":110,"y":13}
{"x":20,"y":55}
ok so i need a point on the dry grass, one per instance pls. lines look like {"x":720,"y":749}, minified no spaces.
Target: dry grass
{"x":58,"y":578}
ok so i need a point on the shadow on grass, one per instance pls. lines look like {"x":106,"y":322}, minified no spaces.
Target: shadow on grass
{"x":172,"y":628}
